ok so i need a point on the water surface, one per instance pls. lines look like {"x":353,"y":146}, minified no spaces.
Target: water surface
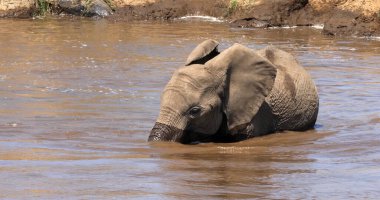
{"x":78,"y":99}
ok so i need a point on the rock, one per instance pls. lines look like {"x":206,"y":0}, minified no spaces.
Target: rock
{"x":352,"y":24}
{"x":263,"y":14}
{"x":83,"y":7}
{"x":74,"y":7}
{"x":98,"y":8}
{"x":272,"y":11}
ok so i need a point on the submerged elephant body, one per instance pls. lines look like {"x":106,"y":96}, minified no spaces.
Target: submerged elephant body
{"x":234,"y":95}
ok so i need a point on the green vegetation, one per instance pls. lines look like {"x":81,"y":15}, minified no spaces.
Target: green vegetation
{"x":232,"y":7}
{"x":43,"y":7}
{"x":110,"y":4}
{"x":88,"y":2}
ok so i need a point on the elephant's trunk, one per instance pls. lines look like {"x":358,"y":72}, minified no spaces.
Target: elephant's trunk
{"x":163,"y":132}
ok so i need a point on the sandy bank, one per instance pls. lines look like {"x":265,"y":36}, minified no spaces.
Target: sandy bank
{"x":338,"y":17}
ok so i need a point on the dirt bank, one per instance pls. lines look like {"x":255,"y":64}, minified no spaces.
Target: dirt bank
{"x":339,"y":17}
{"x":167,"y":9}
{"x":16,"y":8}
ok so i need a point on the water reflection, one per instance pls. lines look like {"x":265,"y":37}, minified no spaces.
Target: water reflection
{"x":78,"y":98}
{"x":235,"y":171}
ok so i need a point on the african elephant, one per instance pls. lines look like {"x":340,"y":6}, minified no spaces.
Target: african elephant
{"x":235,"y":94}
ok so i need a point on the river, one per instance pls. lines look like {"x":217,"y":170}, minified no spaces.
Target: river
{"x":78,"y":99}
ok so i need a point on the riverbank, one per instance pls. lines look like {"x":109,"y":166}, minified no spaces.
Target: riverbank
{"x":79,"y":98}
{"x":337,"y":17}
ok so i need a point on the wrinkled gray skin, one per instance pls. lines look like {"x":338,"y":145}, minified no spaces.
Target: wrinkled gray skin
{"x":234,"y":95}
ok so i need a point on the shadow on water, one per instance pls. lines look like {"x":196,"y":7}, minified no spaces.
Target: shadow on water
{"x":78,"y":99}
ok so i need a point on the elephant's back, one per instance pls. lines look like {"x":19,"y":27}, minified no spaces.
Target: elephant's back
{"x":294,"y":98}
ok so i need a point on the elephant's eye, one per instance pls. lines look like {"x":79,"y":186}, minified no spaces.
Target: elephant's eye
{"x":194,"y":111}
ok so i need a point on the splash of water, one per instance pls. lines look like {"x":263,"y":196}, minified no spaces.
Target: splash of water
{"x":376,"y":38}
{"x":282,"y":27}
{"x":318,"y":26}
{"x":201,"y":17}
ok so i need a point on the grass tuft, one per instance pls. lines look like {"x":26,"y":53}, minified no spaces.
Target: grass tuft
{"x":43,"y":7}
{"x":110,"y":4}
{"x":232,"y":7}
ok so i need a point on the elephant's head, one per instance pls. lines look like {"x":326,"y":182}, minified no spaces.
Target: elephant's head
{"x":215,"y":96}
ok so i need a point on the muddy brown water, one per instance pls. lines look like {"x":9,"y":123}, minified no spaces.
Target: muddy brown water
{"x":78,"y":99}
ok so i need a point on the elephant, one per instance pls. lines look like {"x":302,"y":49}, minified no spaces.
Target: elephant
{"x":234,"y":95}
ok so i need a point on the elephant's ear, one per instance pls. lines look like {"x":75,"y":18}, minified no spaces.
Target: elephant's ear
{"x":247,"y":77}
{"x":203,"y":52}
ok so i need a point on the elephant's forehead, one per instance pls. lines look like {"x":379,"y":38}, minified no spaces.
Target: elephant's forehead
{"x":193,"y":76}
{"x":179,"y":96}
